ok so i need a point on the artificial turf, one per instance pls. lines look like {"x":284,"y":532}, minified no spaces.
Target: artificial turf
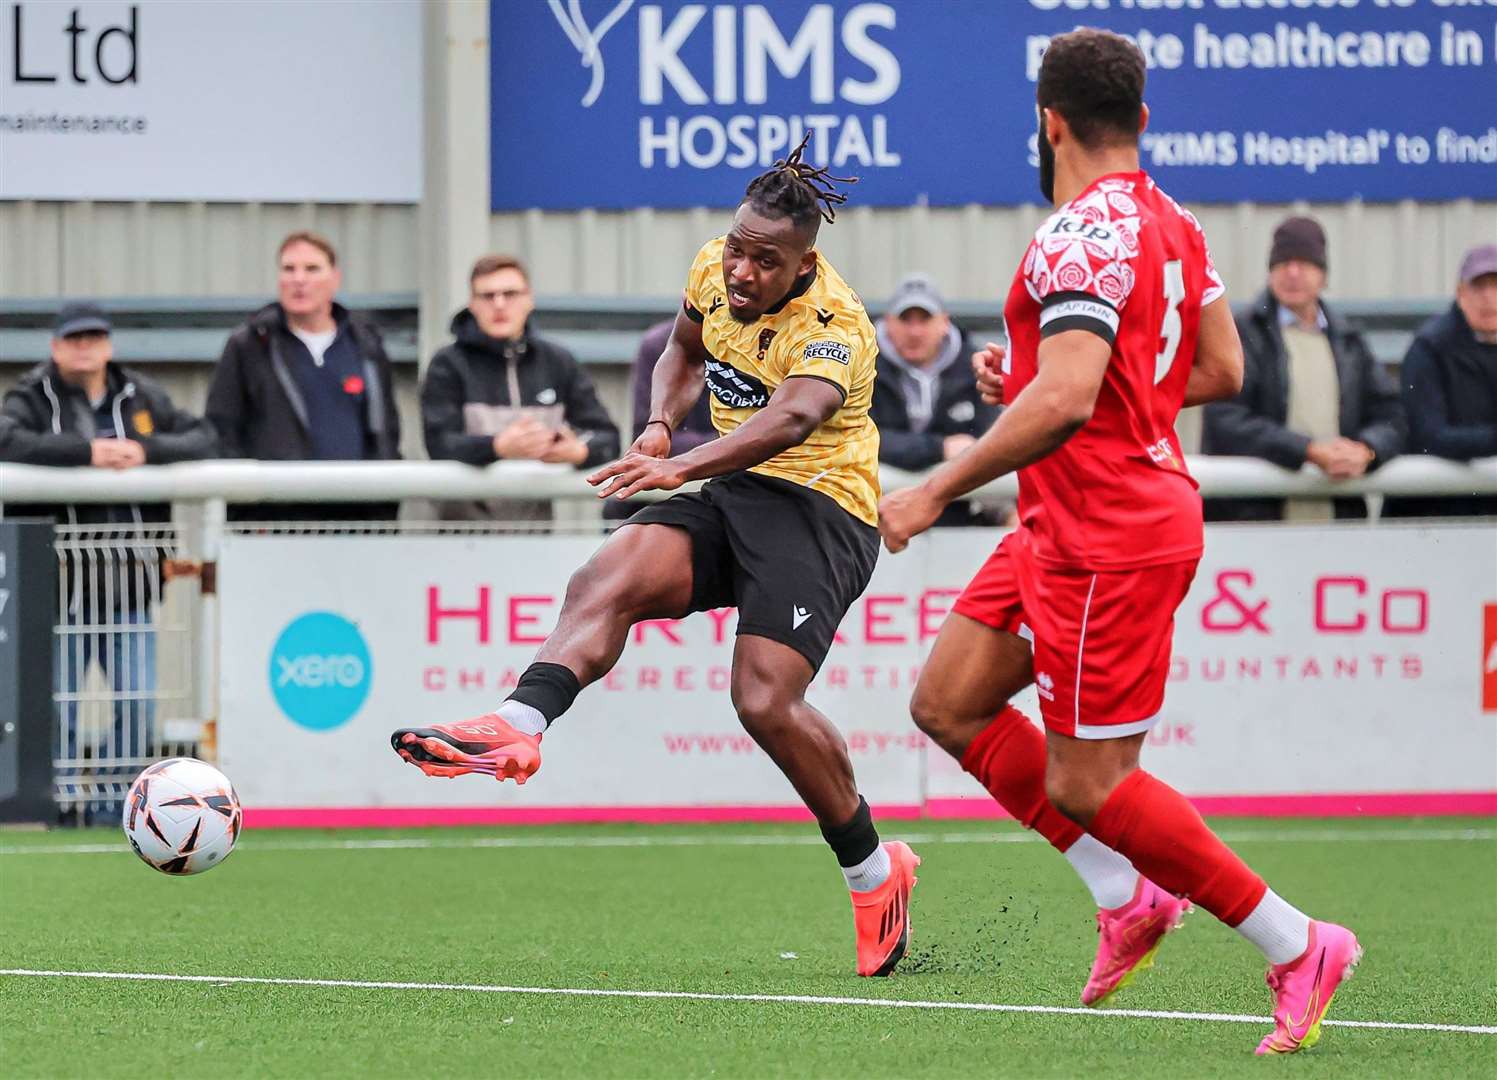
{"x":699,"y":909}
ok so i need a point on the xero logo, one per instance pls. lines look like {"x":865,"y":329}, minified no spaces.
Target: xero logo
{"x":320,"y":671}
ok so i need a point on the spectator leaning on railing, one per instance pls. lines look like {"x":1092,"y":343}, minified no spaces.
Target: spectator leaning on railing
{"x":925,"y":402}
{"x":83,"y":409}
{"x":305,"y":379}
{"x":1450,"y":384}
{"x":500,"y":392}
{"x":1311,"y":391}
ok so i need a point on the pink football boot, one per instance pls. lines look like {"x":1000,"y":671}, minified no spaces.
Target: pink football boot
{"x":1303,"y":988}
{"x":1129,"y":936}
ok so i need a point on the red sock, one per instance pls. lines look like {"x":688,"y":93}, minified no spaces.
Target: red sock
{"x":1154,"y":827}
{"x":1008,"y":758}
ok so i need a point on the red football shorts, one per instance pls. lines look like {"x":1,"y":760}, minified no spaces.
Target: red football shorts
{"x":1101,"y":641}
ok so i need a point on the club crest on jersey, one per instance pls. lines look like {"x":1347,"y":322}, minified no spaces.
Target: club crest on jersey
{"x":765,"y":337}
{"x":733,"y":388}
{"x":828,"y":350}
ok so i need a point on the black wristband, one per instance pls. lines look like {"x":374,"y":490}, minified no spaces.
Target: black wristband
{"x":668,"y":429}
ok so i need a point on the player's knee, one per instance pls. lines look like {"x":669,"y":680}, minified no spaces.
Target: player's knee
{"x":759,"y":708}
{"x":942,"y":720}
{"x":597,"y":585}
{"x":931,"y":713}
{"x":765,"y":712}
{"x":1074,"y":792}
{"x":583,"y":585}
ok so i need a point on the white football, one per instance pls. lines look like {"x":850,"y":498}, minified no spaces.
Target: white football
{"x":182,"y":816}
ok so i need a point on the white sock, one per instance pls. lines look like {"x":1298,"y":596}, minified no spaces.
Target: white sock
{"x":870,"y":873}
{"x":1110,"y":877}
{"x":522,"y":717}
{"x":1279,"y":929}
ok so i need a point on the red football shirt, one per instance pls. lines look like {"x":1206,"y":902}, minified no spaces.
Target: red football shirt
{"x":1125,"y":261}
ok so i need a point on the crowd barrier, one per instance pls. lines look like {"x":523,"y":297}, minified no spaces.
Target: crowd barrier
{"x":1332,"y":669}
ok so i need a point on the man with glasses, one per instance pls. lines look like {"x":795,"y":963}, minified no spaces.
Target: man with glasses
{"x":498,"y":392}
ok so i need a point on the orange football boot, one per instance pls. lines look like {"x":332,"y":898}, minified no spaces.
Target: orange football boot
{"x":881,"y":916}
{"x":487,"y":745}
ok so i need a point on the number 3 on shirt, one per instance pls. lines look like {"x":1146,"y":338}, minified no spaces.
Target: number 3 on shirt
{"x":1169,"y":330}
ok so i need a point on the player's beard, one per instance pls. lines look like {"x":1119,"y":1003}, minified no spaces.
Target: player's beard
{"x":1046,"y":154}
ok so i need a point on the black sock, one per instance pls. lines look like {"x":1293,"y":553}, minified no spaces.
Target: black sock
{"x":856,"y":839}
{"x":549,"y":689}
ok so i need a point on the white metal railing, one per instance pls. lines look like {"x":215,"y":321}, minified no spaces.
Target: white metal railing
{"x":136,"y":680}
{"x":357,"y":481}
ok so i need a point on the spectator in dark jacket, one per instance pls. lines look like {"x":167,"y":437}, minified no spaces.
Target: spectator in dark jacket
{"x":1311,"y":389}
{"x":306,"y":380}
{"x":500,"y":392}
{"x":82,"y":409}
{"x":925,"y":401}
{"x":1450,"y":385}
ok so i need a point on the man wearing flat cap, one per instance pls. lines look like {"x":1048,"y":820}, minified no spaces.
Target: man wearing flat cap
{"x":1450,"y":384}
{"x":925,"y":401}
{"x":1311,"y":390}
{"x":83,"y":409}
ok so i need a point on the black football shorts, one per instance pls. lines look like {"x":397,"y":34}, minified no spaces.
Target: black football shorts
{"x":788,"y":557}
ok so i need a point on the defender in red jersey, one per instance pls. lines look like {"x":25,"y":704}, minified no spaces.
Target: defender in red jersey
{"x":1115,"y":320}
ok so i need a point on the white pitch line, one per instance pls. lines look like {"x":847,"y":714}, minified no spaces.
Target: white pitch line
{"x":781,"y":999}
{"x":416,"y":843}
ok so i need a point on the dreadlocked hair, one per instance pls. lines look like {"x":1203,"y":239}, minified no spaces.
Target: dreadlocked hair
{"x":798,"y":190}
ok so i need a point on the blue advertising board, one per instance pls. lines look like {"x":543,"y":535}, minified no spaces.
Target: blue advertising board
{"x":627,"y":103}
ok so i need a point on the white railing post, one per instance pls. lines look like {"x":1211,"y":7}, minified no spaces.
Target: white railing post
{"x":215,"y":515}
{"x":201,"y":523}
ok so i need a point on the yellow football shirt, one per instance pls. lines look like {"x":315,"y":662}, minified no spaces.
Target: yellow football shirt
{"x":823,"y":333}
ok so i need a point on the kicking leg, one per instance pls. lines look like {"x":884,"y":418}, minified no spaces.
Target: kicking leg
{"x":643,"y":571}
{"x":769,"y":686}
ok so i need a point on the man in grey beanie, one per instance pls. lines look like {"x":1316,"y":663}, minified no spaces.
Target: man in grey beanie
{"x":1311,"y":392}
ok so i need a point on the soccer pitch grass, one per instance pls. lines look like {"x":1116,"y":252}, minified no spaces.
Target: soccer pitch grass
{"x":717,"y":911}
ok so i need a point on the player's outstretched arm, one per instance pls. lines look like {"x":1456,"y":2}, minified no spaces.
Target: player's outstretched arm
{"x":795,"y":410}
{"x":1048,"y":411}
{"x":1216,"y":373}
{"x":799,"y":406}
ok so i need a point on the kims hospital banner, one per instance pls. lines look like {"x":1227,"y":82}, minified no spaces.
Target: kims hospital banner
{"x":1315,"y":670}
{"x":256,"y":100}
{"x":660,"y":103}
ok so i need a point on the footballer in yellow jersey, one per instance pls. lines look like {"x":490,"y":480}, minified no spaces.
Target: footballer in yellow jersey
{"x":786,"y":527}
{"x":785,"y":530}
{"x":820,"y":331}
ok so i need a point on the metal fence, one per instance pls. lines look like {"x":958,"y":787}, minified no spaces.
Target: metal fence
{"x":123,"y":662}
